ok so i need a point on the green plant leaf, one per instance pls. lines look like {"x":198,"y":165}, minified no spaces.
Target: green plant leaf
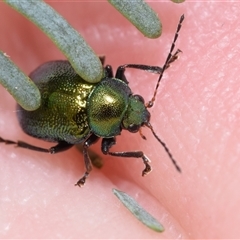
{"x":178,"y":1}
{"x":82,"y":58}
{"x":141,"y":15}
{"x":24,"y":91}
{"x":141,"y":214}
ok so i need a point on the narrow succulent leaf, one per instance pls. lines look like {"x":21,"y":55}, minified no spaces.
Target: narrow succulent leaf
{"x":141,"y":15}
{"x":67,"y":39}
{"x":24,"y":91}
{"x":141,"y":214}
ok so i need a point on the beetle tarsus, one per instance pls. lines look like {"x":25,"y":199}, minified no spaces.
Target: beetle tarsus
{"x":173,"y":58}
{"x":148,"y":168}
{"x":82,"y":180}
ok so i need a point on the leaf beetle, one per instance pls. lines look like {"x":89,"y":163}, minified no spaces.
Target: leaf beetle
{"x":73,"y":111}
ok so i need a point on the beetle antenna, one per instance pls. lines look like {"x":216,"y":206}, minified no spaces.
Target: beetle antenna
{"x":165,"y":147}
{"x":169,"y":59}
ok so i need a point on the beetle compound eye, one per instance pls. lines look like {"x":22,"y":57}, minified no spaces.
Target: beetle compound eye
{"x":133,"y":128}
{"x":139,"y":98}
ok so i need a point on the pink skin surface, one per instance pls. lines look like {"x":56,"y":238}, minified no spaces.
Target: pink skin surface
{"x":196,"y":114}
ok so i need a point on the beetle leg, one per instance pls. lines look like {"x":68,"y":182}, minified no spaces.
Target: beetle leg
{"x":173,"y":58}
{"x":60,"y":147}
{"x":90,"y":141}
{"x":107,"y":143}
{"x":121,"y":69}
{"x":153,"y":69}
{"x":109,"y":71}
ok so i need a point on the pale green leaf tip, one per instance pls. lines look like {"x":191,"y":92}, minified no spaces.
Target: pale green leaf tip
{"x":178,"y":1}
{"x":141,"y":15}
{"x":93,"y":71}
{"x":141,"y":214}
{"x":31,"y":101}
{"x":23,"y":90}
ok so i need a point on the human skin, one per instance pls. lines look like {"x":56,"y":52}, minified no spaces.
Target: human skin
{"x":196,"y":114}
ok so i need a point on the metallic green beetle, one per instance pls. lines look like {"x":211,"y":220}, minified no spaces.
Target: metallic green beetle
{"x":74,"y":111}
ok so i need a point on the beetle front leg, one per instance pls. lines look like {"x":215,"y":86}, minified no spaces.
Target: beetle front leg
{"x":90,"y":141}
{"x":109,"y":71}
{"x":120,"y":74}
{"x":107,"y":143}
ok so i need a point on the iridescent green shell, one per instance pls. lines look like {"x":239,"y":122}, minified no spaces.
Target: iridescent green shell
{"x":62,"y":115}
